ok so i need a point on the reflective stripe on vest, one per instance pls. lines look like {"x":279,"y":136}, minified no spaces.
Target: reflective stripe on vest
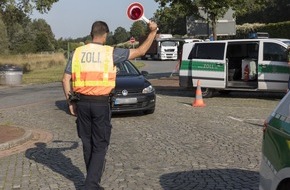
{"x":93,"y":71}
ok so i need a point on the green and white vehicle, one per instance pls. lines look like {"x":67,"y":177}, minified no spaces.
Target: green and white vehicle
{"x":275,"y":164}
{"x":235,"y":65}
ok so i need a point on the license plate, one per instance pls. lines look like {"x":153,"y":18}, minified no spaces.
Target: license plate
{"x":125,"y":101}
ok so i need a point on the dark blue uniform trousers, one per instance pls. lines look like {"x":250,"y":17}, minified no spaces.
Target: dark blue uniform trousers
{"x":94,"y":129}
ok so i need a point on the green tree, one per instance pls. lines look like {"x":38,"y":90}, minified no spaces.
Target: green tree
{"x":44,"y":33}
{"x":43,"y":43}
{"x":14,"y":14}
{"x":138,"y":28}
{"x":272,"y":12}
{"x":42,"y":26}
{"x":13,"y":17}
{"x":121,"y":35}
{"x":172,"y":19}
{"x":214,"y":9}
{"x":3,"y":38}
{"x":22,"y":40}
{"x":61,"y":44}
{"x":26,"y":6}
{"x":110,"y":39}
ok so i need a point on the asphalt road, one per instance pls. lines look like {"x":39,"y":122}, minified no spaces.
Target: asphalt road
{"x":179,"y":147}
{"x":159,"y":66}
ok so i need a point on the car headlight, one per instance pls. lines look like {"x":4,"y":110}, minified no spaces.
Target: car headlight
{"x":148,"y":89}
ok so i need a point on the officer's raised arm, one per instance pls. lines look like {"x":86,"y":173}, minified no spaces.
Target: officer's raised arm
{"x":143,"y":48}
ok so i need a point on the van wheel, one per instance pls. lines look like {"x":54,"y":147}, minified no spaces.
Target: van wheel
{"x":207,"y":92}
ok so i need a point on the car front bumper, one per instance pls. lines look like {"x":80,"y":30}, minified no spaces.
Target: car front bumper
{"x":267,"y":176}
{"x":142,"y":103}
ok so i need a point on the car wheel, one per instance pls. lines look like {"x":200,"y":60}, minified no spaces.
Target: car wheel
{"x":149,"y":111}
{"x":207,"y":92}
{"x":284,"y":185}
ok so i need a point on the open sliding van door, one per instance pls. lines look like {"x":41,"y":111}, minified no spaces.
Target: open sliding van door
{"x":208,"y":64}
{"x":273,"y":72}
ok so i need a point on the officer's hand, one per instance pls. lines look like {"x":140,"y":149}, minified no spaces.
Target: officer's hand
{"x":72,"y":109}
{"x":152,"y":26}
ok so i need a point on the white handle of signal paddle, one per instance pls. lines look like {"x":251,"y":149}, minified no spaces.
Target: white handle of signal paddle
{"x":146,"y":20}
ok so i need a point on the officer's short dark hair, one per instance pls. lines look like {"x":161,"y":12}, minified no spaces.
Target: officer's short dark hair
{"x":99,"y":28}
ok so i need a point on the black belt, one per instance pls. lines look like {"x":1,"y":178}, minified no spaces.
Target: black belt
{"x":94,"y":98}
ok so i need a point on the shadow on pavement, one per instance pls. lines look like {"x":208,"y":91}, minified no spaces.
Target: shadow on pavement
{"x":174,"y":91}
{"x":217,"y":179}
{"x":62,"y":105}
{"x":54,"y":159}
{"x":168,"y":84}
{"x":128,"y":114}
{"x":253,"y":95}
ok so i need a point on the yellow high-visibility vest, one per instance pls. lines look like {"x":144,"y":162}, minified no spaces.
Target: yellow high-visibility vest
{"x":93,"y":70}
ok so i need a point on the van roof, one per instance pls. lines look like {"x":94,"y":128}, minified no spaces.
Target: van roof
{"x":285,"y":41}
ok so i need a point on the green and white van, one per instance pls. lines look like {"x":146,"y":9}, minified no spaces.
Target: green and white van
{"x":235,"y":65}
{"x":275,"y":164}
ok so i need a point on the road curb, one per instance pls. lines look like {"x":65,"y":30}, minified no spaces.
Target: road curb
{"x":15,"y":142}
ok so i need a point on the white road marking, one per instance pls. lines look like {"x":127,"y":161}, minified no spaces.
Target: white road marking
{"x":187,"y":105}
{"x":237,"y":119}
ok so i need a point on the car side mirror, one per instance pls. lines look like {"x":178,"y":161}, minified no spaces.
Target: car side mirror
{"x":145,"y":73}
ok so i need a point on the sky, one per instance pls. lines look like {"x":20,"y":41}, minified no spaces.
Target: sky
{"x":74,"y":18}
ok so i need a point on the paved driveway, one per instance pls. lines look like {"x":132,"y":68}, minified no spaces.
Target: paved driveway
{"x":178,"y":147}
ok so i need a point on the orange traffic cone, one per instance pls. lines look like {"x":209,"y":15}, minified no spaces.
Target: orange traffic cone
{"x":198,"y":102}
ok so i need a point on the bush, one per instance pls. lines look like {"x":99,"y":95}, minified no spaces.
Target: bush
{"x":275,"y":30}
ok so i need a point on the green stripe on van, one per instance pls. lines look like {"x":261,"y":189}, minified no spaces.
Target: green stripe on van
{"x":273,"y":69}
{"x":202,"y":66}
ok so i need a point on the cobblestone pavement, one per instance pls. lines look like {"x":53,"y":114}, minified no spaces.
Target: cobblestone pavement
{"x":179,"y":147}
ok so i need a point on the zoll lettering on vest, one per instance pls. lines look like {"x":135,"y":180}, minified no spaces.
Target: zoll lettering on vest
{"x":90,"y":57}
{"x":89,"y":77}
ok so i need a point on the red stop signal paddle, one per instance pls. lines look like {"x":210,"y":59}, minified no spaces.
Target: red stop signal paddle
{"x":135,"y":12}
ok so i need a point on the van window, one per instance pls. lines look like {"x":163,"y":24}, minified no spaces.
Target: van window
{"x":207,"y":51}
{"x":274,"y":52}
{"x":243,"y":50}
{"x":169,"y":43}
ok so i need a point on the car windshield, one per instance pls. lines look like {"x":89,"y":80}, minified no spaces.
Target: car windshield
{"x":126,"y":68}
{"x":287,"y":42}
{"x":283,"y":109}
{"x":168,"y":43}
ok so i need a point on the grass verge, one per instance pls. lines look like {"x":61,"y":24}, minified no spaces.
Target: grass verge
{"x":42,"y":76}
{"x":42,"y":68}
